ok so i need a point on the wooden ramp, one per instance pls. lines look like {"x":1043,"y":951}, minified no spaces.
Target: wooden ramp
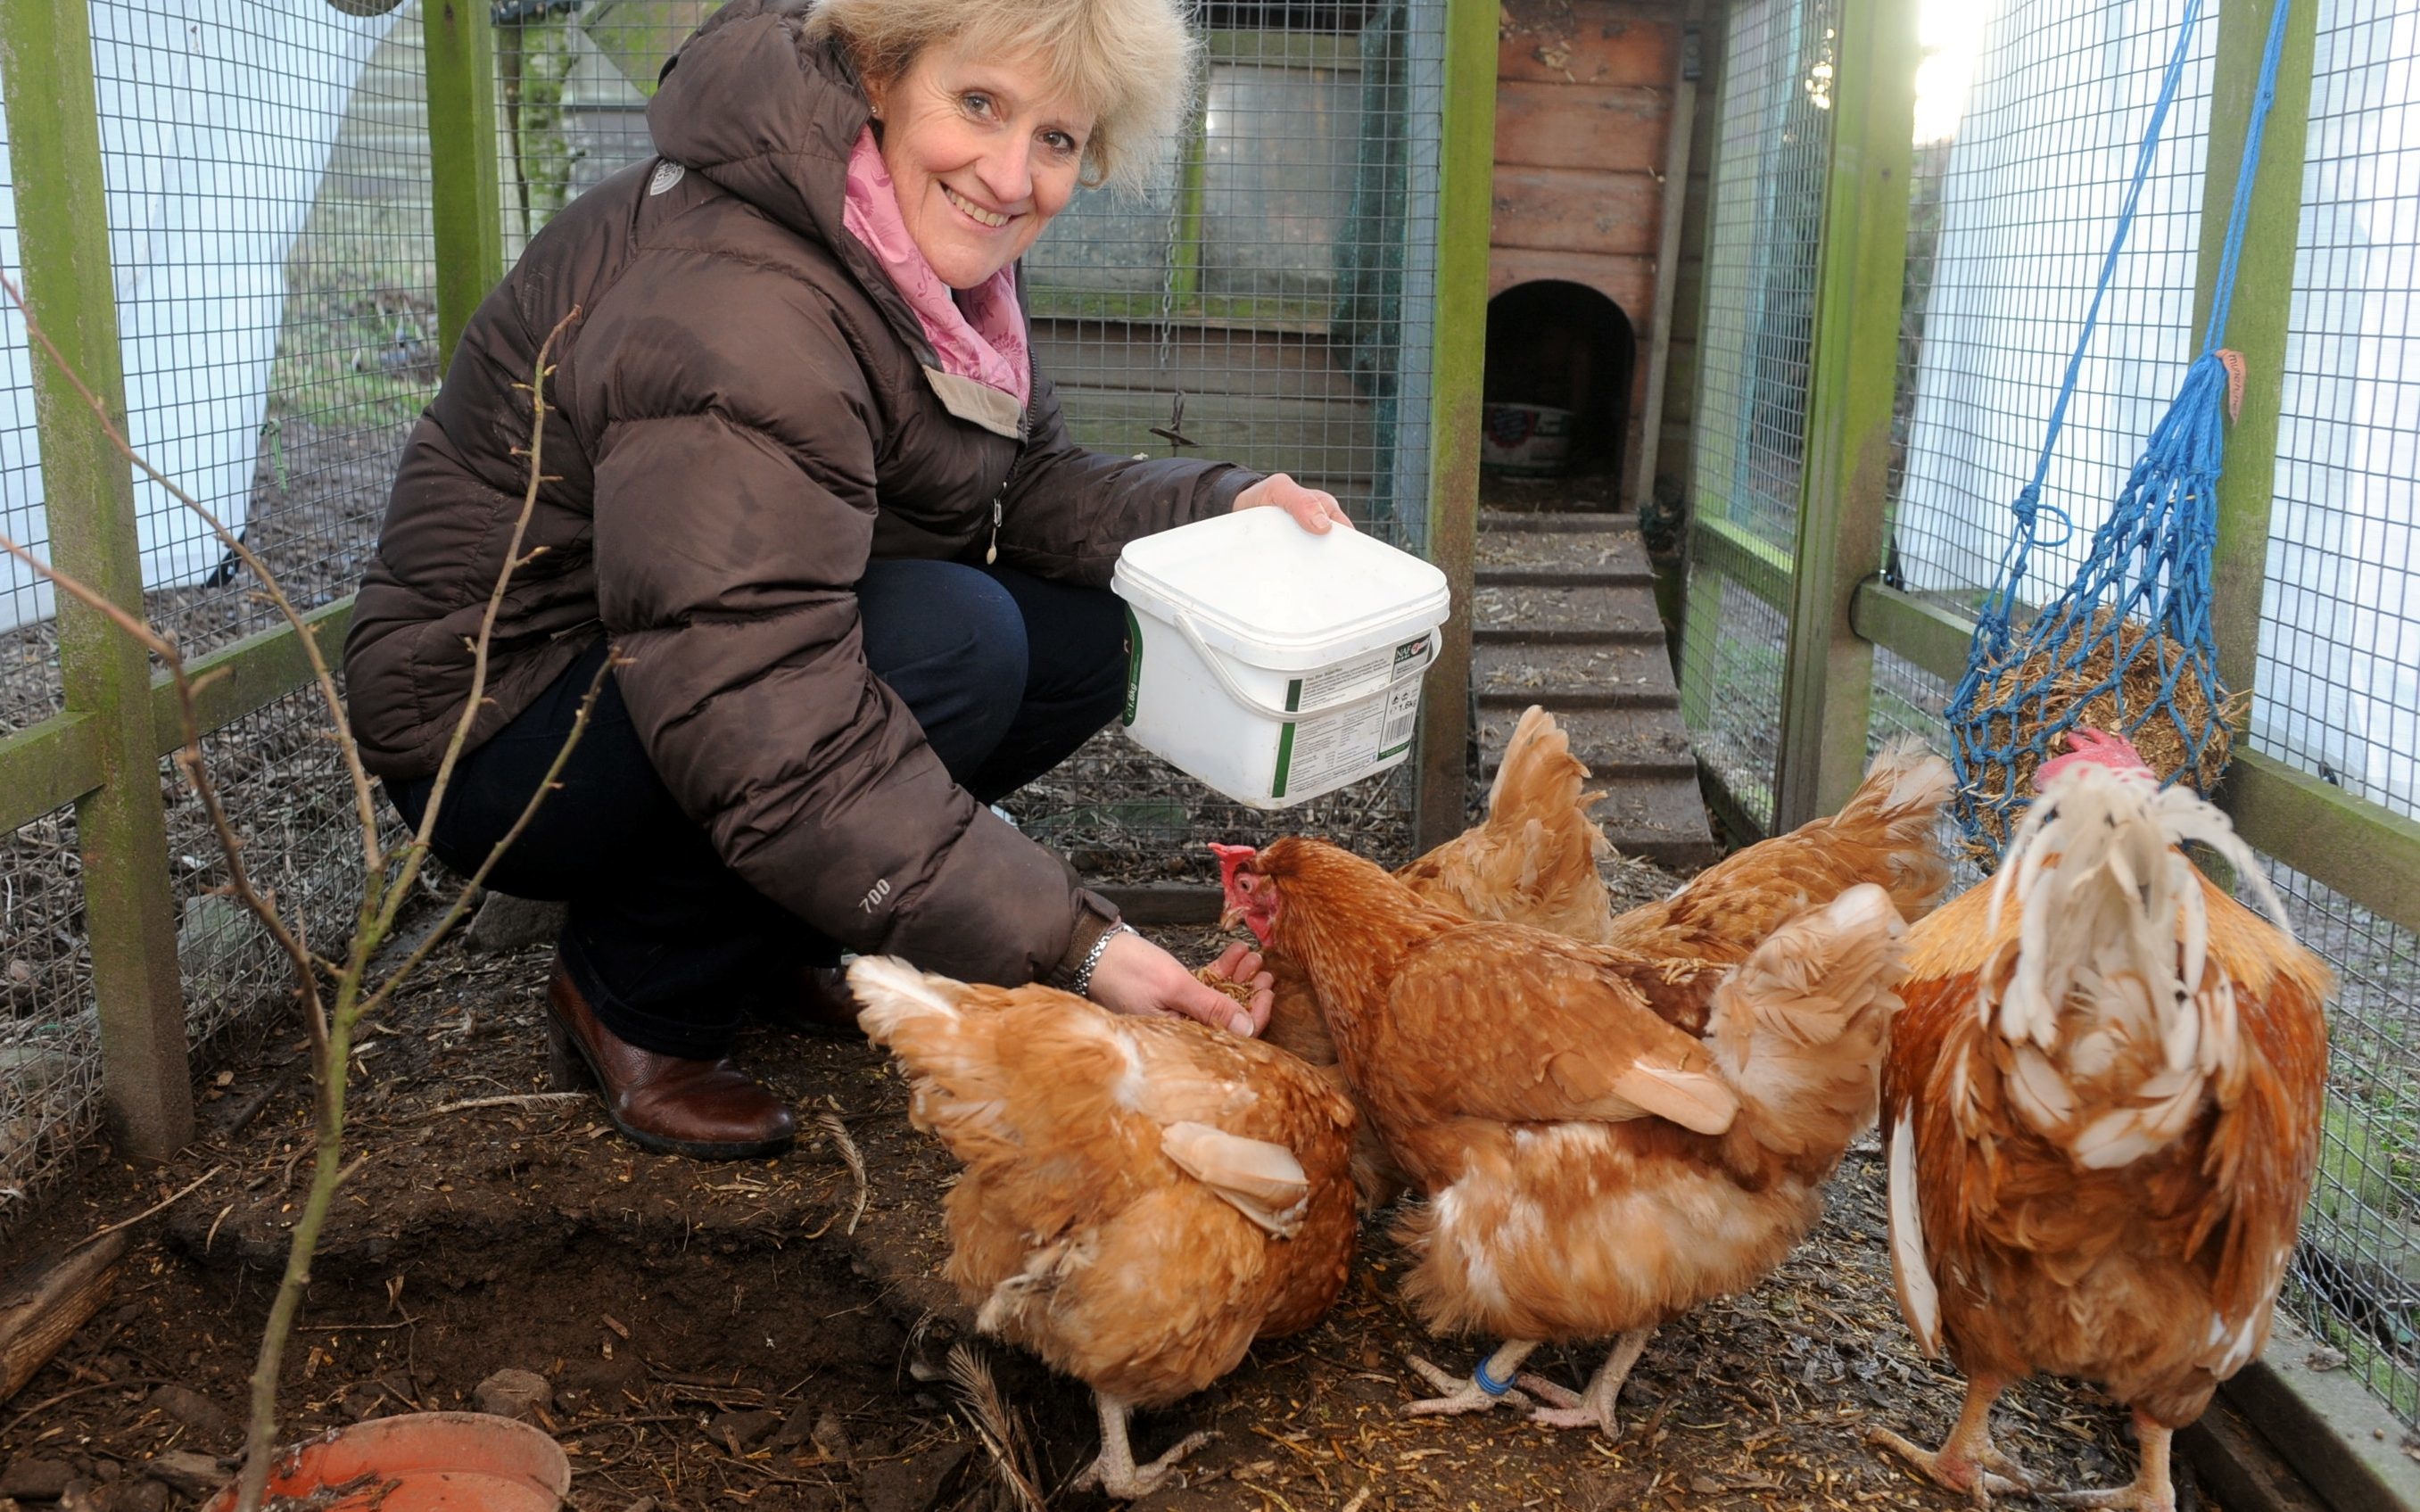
{"x":1563,"y":615}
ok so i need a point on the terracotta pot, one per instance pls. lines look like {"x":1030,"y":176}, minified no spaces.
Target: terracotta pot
{"x":423,"y":1462}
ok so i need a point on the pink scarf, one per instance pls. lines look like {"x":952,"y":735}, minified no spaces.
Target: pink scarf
{"x":978,"y":333}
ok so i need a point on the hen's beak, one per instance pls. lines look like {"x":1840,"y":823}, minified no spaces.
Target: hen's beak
{"x":1232,"y":919}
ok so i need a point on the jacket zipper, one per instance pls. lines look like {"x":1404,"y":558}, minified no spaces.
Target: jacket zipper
{"x":1024,"y":425}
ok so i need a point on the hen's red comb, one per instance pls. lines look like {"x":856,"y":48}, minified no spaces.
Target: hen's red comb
{"x":1230,"y":857}
{"x":2091,"y":748}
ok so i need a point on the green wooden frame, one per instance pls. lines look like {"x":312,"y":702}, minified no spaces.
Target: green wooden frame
{"x":1465,"y":205}
{"x":121,"y":830}
{"x":1827,"y":676}
{"x":103,"y":753}
{"x":2362,"y":851}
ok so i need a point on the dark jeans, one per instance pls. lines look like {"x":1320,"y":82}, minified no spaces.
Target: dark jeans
{"x":1006,"y":673}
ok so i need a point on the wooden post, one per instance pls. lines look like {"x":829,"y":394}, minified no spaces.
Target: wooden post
{"x":1713,"y":425}
{"x":1677,"y":145}
{"x":1465,"y":204}
{"x":467,"y":202}
{"x":2264,"y":291}
{"x":1827,"y":680}
{"x":89,"y":492}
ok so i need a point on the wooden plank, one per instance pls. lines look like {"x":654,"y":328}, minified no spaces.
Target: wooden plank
{"x":1861,"y":270}
{"x":1292,"y":50}
{"x":1165,"y":903}
{"x":2264,"y":289}
{"x":466,"y":202}
{"x":1934,"y":638}
{"x":251,"y":674}
{"x":1309,"y":438}
{"x":42,"y":1309}
{"x":63,"y":234}
{"x":1737,"y":553}
{"x":1628,"y":279}
{"x":2342,"y":1439}
{"x":2237,"y":1465}
{"x":2369,"y":853}
{"x":1566,"y":617}
{"x":1633,"y":675}
{"x":1465,"y":171}
{"x":1588,"y":41}
{"x":47,"y":766}
{"x":1569,"y":209}
{"x":1533,"y":549}
{"x":1602,"y":129}
{"x":1656,"y":365}
{"x":1131,"y":356}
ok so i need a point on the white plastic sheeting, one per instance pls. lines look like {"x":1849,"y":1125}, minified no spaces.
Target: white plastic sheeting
{"x":2037,"y":170}
{"x":2339,"y":680}
{"x":217,"y":118}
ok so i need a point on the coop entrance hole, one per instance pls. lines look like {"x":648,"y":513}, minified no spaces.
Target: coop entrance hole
{"x":1566,"y":345}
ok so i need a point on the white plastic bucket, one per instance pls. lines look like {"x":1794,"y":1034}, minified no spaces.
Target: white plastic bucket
{"x":1271,"y":664}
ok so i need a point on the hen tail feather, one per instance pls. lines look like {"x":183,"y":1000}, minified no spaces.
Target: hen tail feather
{"x":1898,"y":809}
{"x":1799,"y":1029}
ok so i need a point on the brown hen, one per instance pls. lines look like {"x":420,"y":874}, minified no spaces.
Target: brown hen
{"x":1143,"y":1197}
{"x":1885,"y":834}
{"x":2103,"y":1108}
{"x":1590,"y":1168}
{"x":1534,"y":860}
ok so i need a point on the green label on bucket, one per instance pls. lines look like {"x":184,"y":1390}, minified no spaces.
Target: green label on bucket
{"x":1134,"y":667}
{"x":1285,"y":739}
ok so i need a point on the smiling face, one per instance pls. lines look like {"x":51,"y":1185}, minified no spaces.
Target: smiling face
{"x":982,"y":153}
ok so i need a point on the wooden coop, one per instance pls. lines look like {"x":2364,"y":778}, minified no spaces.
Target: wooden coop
{"x":1593,"y":105}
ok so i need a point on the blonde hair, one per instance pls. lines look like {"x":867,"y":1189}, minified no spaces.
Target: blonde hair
{"x":1130,"y":62}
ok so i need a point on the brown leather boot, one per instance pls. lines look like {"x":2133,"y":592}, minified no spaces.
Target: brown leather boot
{"x":817,"y":1001}
{"x":710,"y":1110}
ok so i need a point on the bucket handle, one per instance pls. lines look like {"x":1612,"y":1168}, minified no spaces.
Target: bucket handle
{"x":1235,"y":691}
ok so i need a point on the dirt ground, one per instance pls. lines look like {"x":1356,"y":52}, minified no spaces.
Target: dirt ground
{"x":724,"y":1334}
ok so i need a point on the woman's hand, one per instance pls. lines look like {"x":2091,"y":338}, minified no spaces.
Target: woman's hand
{"x":1313,"y":510}
{"x":1136,"y":976}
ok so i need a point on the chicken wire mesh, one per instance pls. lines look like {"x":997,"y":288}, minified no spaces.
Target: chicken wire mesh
{"x":2339,"y":683}
{"x":1774,"y":139}
{"x":2009,"y":218}
{"x":267,"y":202}
{"x":1266,"y":303}
{"x":2029,"y":193}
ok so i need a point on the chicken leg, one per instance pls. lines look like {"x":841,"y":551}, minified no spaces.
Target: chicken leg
{"x":1594,"y":1409}
{"x":2153,"y":1490}
{"x":1968,"y":1460}
{"x":1491,"y":1386}
{"x":1115,"y":1473}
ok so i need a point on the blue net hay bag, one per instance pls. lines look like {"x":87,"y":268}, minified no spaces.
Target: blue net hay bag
{"x":2104,"y":672}
{"x":2127,"y":646}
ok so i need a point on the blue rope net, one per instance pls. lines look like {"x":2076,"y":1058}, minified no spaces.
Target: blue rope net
{"x":2127,"y":646}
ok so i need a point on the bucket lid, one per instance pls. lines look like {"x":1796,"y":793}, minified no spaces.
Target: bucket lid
{"x":1261,"y":588}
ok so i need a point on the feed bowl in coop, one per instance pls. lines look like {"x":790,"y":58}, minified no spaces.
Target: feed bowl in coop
{"x":1525,"y":440}
{"x":421,"y":1462}
{"x":2025,"y":698}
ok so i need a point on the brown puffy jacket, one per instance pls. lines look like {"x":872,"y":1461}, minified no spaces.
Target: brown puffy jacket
{"x":746,"y":410}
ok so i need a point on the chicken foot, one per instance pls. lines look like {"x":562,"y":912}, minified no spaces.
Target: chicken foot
{"x":2153,"y":1490}
{"x":1566,"y":1409}
{"x":1967,"y":1460}
{"x":1491,"y":1386}
{"x":1115,"y":1473}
